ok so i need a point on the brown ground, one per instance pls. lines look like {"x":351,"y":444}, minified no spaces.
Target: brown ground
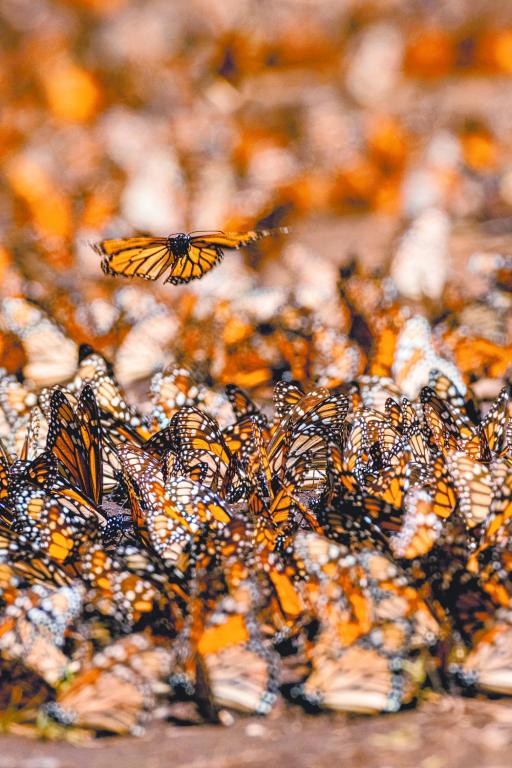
{"x":449,"y":733}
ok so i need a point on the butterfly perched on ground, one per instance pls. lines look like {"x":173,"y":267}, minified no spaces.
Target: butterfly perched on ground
{"x":114,"y":690}
{"x":185,"y":256}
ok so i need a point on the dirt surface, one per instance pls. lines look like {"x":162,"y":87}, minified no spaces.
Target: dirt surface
{"x":447,"y":733}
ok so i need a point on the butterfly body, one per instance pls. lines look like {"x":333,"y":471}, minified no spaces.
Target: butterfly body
{"x":179,"y":244}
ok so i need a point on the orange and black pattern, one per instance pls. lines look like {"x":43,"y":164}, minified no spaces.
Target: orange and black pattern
{"x":297,"y":539}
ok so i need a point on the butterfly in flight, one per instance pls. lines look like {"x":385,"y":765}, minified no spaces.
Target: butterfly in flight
{"x":184,"y":256}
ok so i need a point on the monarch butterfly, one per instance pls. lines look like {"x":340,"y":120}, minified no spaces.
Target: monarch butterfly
{"x":500,"y":509}
{"x":357,"y":679}
{"x":51,"y":355}
{"x":372,"y":621}
{"x":403,"y":418}
{"x":135,"y":461}
{"x":186,"y":256}
{"x":114,"y":591}
{"x":475,"y":487}
{"x":446,"y":423}
{"x":175,"y":388}
{"x":285,"y":396}
{"x":371,"y":392}
{"x":241,"y":676}
{"x":384,"y":440}
{"x":22,"y":691}
{"x":489,"y":663}
{"x":246,"y":413}
{"x":34,"y":629}
{"x":75,"y":439}
{"x":420,"y":529}
{"x":22,"y":564}
{"x":48,"y":524}
{"x":197,"y":504}
{"x":240,"y":668}
{"x":306,"y":421}
{"x":253,"y":461}
{"x":197,"y":439}
{"x":415,"y":357}
{"x":115,"y":690}
{"x":16,"y":399}
{"x":458,"y":400}
{"x":337,"y":359}
{"x":120,"y":420}
{"x":15,"y":475}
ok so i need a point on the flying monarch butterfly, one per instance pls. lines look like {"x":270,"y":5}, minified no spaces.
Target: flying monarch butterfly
{"x":186,"y":256}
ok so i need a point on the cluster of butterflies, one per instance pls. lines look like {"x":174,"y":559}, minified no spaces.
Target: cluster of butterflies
{"x":342,"y":547}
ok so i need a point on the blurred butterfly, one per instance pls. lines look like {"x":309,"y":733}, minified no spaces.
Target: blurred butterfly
{"x":185,"y":256}
{"x":240,"y":668}
{"x":114,"y":691}
{"x":51,"y":355}
{"x":172,"y":389}
{"x":21,"y":563}
{"x":487,"y":666}
{"x":34,"y":629}
{"x":114,"y":589}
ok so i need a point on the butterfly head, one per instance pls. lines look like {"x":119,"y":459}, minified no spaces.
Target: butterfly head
{"x":179,"y":244}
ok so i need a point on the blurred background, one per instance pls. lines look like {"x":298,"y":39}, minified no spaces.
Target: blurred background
{"x":353,"y":122}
